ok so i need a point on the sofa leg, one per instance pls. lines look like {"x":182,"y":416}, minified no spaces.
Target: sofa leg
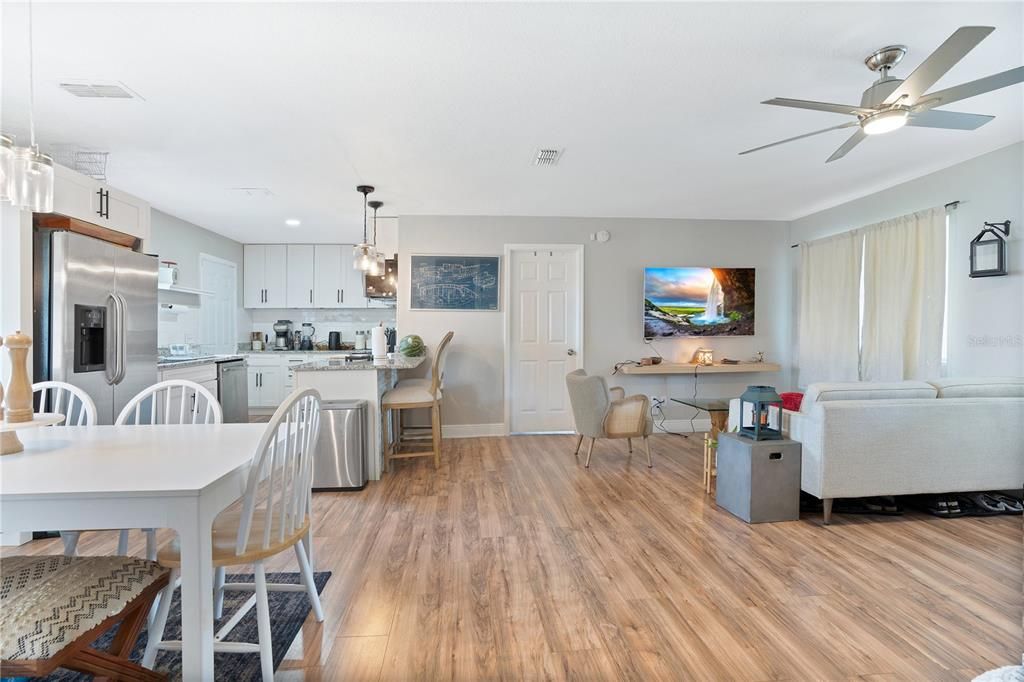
{"x":590,"y":453}
{"x":579,"y":442}
{"x":827,"y":506}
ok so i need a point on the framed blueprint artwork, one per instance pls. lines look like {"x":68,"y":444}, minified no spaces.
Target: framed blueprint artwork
{"x":454,"y":282}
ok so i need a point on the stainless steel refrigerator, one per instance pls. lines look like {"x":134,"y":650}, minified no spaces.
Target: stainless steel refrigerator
{"x":95,"y":313}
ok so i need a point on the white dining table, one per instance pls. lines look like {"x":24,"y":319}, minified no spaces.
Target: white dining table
{"x":161,"y":476}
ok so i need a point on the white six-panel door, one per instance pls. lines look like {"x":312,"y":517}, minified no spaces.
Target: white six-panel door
{"x":543,"y":336}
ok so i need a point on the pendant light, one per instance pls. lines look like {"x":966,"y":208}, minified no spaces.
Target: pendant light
{"x":6,"y":166}
{"x":377,"y":267}
{"x":30,"y":178}
{"x":364,"y":255}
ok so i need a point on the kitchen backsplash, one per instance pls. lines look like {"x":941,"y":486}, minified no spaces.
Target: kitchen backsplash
{"x":346,"y":321}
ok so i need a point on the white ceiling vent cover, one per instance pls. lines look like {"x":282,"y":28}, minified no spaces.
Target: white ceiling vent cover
{"x":547,"y":157}
{"x":99,"y":89}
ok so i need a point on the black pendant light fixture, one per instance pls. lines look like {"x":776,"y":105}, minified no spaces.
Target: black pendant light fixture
{"x":377,"y":268}
{"x":364,"y":255}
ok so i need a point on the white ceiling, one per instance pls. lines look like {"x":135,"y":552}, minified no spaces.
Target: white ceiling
{"x":442,"y":107}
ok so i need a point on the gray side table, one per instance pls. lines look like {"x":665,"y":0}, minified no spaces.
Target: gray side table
{"x":758,"y":481}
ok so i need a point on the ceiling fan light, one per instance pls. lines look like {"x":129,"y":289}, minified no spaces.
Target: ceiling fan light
{"x":884,"y":121}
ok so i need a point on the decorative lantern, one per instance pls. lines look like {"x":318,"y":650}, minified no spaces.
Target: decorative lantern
{"x":704,"y":357}
{"x":988,"y":253}
{"x":756,"y":404}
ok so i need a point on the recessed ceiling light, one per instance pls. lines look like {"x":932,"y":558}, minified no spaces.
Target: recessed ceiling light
{"x":293,"y":222}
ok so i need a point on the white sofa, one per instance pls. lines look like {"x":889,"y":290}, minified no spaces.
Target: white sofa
{"x":908,"y":437}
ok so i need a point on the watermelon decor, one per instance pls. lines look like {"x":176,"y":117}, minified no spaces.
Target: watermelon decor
{"x":412,"y":346}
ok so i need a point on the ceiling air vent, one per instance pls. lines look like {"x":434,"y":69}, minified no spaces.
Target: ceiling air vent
{"x":547,"y":157}
{"x":254,"y":192}
{"x":99,"y":89}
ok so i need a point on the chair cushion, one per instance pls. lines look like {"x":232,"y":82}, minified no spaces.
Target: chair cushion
{"x":987,"y":387}
{"x":404,"y":395}
{"x":47,"y":602}
{"x":866,"y":390}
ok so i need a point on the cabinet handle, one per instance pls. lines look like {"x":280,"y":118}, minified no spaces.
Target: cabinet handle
{"x":310,"y":295}
{"x":99,"y":193}
{"x":342,"y":292}
{"x":106,"y":196}
{"x":339,"y":296}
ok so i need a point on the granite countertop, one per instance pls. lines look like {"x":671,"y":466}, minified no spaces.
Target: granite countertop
{"x":205,"y":360}
{"x":268,"y":351}
{"x":400,"y":362}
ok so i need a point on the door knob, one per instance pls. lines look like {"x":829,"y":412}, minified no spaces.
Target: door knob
{"x":570,"y":352}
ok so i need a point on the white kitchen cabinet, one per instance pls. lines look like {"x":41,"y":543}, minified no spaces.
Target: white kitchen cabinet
{"x":290,"y":361}
{"x":387,"y":236}
{"x":266,"y":380}
{"x":264,"y":275}
{"x":81,"y":197}
{"x":299,"y":290}
{"x":330,"y":291}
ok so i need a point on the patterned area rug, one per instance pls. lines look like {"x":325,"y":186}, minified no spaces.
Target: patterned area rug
{"x":288,"y":611}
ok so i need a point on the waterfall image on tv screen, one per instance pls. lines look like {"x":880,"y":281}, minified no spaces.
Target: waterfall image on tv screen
{"x":698,"y":302}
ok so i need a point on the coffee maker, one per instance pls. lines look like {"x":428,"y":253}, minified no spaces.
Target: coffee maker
{"x":283,"y":330}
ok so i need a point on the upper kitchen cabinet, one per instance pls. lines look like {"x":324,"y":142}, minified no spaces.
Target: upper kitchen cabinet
{"x":83,"y":198}
{"x":331,"y":289}
{"x":300,"y":276}
{"x":387,"y":236}
{"x":265,"y":275}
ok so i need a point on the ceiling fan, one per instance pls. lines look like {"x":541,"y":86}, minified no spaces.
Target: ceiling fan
{"x":890,"y":103}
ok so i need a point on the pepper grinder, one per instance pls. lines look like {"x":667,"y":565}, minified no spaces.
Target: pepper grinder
{"x":19,"y":389}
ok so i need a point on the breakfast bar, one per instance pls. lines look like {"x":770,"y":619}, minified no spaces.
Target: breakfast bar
{"x":339,"y":379}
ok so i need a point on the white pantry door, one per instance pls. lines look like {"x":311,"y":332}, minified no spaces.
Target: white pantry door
{"x":218,"y":312}
{"x":544,"y":307}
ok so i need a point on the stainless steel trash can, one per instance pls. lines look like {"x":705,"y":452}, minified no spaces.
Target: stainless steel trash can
{"x":339,"y":462}
{"x":758,"y":480}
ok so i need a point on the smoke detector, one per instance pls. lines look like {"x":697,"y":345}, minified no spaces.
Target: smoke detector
{"x":547,"y":157}
{"x":99,"y":89}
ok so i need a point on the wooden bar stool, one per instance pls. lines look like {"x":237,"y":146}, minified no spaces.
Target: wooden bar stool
{"x":413,"y":394}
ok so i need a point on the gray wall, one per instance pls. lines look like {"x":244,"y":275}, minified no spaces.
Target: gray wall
{"x":181,"y":241}
{"x":613,"y":293}
{"x":986,"y":315}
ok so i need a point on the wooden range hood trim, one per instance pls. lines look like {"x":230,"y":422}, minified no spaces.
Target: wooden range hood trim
{"x":55,"y":221}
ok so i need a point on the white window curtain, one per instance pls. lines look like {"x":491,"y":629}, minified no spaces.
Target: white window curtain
{"x":830,"y":276}
{"x":904,"y":297}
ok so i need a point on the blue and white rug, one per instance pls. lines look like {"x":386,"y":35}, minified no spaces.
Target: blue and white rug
{"x":288,"y":611}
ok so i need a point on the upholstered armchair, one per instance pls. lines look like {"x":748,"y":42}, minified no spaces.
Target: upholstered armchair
{"x":601,"y":412}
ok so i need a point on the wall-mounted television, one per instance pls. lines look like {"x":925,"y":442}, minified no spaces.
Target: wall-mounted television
{"x":698,"y":301}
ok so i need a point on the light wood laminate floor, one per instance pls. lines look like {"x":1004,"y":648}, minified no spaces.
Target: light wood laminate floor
{"x":513,"y":562}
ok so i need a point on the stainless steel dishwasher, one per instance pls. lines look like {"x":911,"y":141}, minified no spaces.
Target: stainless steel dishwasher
{"x":339,"y":462}
{"x":233,"y":391}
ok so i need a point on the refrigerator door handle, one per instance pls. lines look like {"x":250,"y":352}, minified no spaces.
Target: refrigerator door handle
{"x":110,"y":341}
{"x":122,"y":341}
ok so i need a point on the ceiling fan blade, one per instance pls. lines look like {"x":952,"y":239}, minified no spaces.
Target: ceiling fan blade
{"x":817,"y":106}
{"x":945,"y":57}
{"x":854,"y":140}
{"x":799,"y":137}
{"x":955,"y":120}
{"x":972,"y":88}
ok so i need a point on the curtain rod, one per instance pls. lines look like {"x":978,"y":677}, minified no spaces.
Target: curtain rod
{"x":952,"y":204}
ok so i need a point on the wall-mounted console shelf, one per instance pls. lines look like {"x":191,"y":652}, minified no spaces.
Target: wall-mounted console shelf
{"x":691,"y":368}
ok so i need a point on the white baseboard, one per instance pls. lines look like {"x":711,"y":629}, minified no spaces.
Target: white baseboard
{"x":473,"y":430}
{"x":490,"y":430}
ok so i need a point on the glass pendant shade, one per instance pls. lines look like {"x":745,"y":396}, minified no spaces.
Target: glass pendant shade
{"x":363,"y":257}
{"x":31,"y":185}
{"x":6,"y":166}
{"x":377,"y":267}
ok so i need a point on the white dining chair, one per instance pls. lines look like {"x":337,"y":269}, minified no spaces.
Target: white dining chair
{"x":78,"y":410}
{"x":175,"y":401}
{"x":273,"y":515}
{"x":71,"y":401}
